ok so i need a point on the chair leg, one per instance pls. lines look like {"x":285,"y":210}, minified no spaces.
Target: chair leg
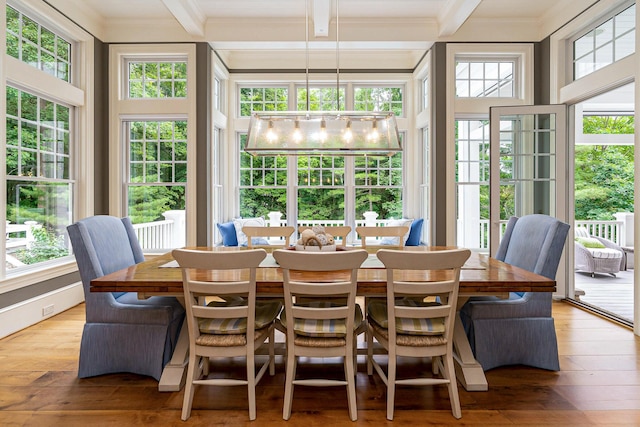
{"x":450,"y":373}
{"x":351,"y":387}
{"x":192,"y":370}
{"x":251,"y":385}
{"x":391,"y":385}
{"x":288,"y":385}
{"x":272,"y":354}
{"x":369,"y":351}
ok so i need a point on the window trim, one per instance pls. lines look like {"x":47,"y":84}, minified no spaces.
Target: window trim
{"x":78,"y":93}
{"x":474,"y":108}
{"x":122,"y":108}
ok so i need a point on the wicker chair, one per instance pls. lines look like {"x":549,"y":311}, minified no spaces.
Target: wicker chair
{"x":608,"y":259}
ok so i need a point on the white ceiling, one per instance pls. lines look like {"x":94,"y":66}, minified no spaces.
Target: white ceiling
{"x":271,"y":33}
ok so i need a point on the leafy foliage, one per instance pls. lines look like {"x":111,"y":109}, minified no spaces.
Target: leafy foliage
{"x":46,"y":246}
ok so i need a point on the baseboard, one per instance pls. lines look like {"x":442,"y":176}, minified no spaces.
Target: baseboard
{"x":27,"y":313}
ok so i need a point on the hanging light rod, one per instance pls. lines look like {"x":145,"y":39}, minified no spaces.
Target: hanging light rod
{"x":338,"y":133}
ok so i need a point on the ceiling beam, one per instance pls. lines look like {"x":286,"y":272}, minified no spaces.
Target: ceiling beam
{"x":321,"y":17}
{"x":188,"y":14}
{"x":454,"y":14}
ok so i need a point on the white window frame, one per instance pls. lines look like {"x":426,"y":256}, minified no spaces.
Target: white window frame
{"x":122,"y":108}
{"x":411,"y":146}
{"x":79,"y":94}
{"x":564,"y":90}
{"x":469,"y":108}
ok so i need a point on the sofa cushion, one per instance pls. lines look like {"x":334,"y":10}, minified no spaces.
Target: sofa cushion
{"x":241,"y":222}
{"x":415,"y":233}
{"x":397,"y":223}
{"x":228,"y":232}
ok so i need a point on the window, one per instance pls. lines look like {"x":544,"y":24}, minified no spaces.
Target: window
{"x":321,"y":189}
{"x":476,"y":79}
{"x":157,"y":169}
{"x":609,"y":42}
{"x":263,"y":179}
{"x":263,"y":183}
{"x":37,"y":46}
{"x":157,"y":79}
{"x":46,"y":112}
{"x":425,"y":93}
{"x":379,"y":99}
{"x":39,"y":187}
{"x":263,"y":99}
{"x":472,"y":183}
{"x":152,"y":146}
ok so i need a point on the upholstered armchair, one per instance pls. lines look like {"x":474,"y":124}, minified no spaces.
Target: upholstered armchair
{"x":121,"y":333}
{"x":594,"y":254}
{"x":520,"y":329}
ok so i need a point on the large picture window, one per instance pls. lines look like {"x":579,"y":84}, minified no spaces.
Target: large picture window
{"x":320,"y":188}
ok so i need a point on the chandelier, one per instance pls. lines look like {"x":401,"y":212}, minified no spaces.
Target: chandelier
{"x":338,"y":133}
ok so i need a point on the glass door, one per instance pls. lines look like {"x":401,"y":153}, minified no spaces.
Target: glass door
{"x":529,"y":176}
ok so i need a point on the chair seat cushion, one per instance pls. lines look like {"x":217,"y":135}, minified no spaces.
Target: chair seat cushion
{"x":411,"y":340}
{"x":266,"y":312}
{"x":605,"y":253}
{"x":324,"y":328}
{"x":236,"y":340}
{"x":377,"y":311}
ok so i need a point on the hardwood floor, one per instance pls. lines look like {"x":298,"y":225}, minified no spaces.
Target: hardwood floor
{"x":598,"y":385}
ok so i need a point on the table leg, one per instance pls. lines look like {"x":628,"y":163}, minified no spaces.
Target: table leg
{"x":468,"y":371}
{"x":175,"y":372}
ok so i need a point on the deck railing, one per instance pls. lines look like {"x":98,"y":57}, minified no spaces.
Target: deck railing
{"x":162,"y":234}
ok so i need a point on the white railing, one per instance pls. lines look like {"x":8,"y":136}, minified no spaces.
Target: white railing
{"x":155,"y":235}
{"x":610,"y":230}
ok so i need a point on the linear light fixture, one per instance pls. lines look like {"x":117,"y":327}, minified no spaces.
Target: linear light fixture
{"x":337,"y":133}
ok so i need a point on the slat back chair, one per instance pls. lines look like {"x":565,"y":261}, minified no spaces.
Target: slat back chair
{"x":339,"y":232}
{"x":395,"y":232}
{"x":224,"y":329}
{"x":283,"y":232}
{"x":318,"y":327}
{"x":417,"y":318}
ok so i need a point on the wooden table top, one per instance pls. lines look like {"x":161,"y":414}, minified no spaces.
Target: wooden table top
{"x":480,"y":275}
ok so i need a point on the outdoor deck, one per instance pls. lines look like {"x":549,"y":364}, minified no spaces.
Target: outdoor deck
{"x":612,"y":294}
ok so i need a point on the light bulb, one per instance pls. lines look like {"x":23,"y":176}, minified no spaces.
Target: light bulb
{"x":297,"y":134}
{"x":271,"y":134}
{"x":323,"y":130}
{"x":348,"y":134}
{"x":374,"y":135}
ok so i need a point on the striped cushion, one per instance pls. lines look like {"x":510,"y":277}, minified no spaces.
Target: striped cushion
{"x":331,"y":328}
{"x":266,"y":312}
{"x":605,"y":253}
{"x":377,"y":311}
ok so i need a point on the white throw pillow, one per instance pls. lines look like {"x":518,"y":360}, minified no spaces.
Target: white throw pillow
{"x":397,"y":223}
{"x":238,"y":223}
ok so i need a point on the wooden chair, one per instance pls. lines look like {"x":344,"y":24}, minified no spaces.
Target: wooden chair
{"x":396,"y":232}
{"x":284,"y":233}
{"x":339,"y":233}
{"x":225,"y":329}
{"x":317,"y":327}
{"x":417,"y":318}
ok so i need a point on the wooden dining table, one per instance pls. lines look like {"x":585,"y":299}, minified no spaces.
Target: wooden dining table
{"x":480,"y":276}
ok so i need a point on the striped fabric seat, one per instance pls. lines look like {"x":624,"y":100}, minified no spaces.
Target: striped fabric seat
{"x":266,"y":312}
{"x":377,"y":311}
{"x":322,"y":328}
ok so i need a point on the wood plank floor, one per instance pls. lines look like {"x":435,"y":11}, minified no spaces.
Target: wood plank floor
{"x":609,"y":293}
{"x":598,"y":385}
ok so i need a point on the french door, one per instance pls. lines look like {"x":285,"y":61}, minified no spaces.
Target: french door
{"x":529,"y":176}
